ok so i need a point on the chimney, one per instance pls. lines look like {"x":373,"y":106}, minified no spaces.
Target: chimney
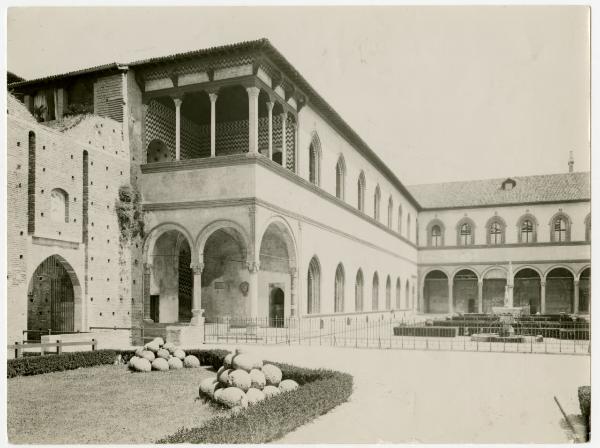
{"x":571,"y":161}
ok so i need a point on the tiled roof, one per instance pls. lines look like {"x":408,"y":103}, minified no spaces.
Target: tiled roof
{"x":98,"y":68}
{"x":487,"y":192}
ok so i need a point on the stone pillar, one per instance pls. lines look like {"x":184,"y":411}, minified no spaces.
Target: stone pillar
{"x":213,"y":123}
{"x":450,"y":296}
{"x":253,"y":268}
{"x":147,"y":273}
{"x":270,"y":105}
{"x":197,"y":311}
{"x":293,"y":292}
{"x":543,"y":297}
{"x":576,"y":297}
{"x":177,"y":102}
{"x":283,"y":140}
{"x":253,"y":119}
{"x":480,"y":296}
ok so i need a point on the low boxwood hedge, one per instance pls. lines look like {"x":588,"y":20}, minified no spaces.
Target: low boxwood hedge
{"x":585,"y":395}
{"x":36,"y":365}
{"x":269,"y":420}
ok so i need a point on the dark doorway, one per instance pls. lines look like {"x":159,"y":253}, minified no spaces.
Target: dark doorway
{"x":436,"y":292}
{"x":154,"y":307}
{"x":465,"y":291}
{"x":276,"y":307}
{"x":185,"y":284}
{"x":527,"y":290}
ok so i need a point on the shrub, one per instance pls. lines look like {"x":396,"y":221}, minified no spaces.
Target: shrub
{"x":268,"y":420}
{"x":58,"y":363}
{"x":585,"y":394}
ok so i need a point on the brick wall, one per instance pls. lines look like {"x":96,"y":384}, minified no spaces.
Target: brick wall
{"x":108,"y":97}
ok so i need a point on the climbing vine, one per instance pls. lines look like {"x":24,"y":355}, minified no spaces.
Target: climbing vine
{"x":129,"y":213}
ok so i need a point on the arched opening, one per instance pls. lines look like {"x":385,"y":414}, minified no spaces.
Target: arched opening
{"x":171,"y":279}
{"x":276,"y":307}
{"x":195,"y":126}
{"x":313,"y":287}
{"x":390,"y":215}
{"x":361,"y":184}
{"x":314,"y":160}
{"x":377,"y":204}
{"x":388,"y":293}
{"x":231,"y":122}
{"x":407,"y":300}
{"x":494,"y":286}
{"x":527,"y":290}
{"x":527,"y":228}
{"x":59,"y":205}
{"x":495,"y":231}
{"x":375,"y":293}
{"x":400,"y":219}
{"x":408,"y":226}
{"x":340,"y":178}
{"x":53,"y":299}
{"x":398,"y":294}
{"x":31,"y":177}
{"x":465,"y":232}
{"x":158,"y":152}
{"x":559,"y":291}
{"x":358,"y":291}
{"x":435,"y":292}
{"x":584,"y":291}
{"x":277,"y":260}
{"x":225,"y":272}
{"x":339,"y":289}
{"x":465,"y":291}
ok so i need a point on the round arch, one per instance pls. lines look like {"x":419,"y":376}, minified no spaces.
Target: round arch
{"x":155,"y":234}
{"x":465,"y":290}
{"x":528,"y":266}
{"x":567,"y":231}
{"x":527,"y":288}
{"x":585,"y":278}
{"x":578,"y":277}
{"x":496,"y":219}
{"x":469,"y":239}
{"x":286,"y":232}
{"x":560,"y":289}
{"x":211,"y":228}
{"x":555,"y":266}
{"x":493,"y":287}
{"x":435,"y":291}
{"x":433,"y":223}
{"x":525,"y":235}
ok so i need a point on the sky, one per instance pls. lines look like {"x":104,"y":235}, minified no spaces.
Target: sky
{"x":440,"y":93}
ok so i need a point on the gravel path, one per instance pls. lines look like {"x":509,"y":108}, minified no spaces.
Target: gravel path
{"x":441,"y":396}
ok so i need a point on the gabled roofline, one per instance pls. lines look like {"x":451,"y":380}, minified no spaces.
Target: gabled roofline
{"x":113,"y":66}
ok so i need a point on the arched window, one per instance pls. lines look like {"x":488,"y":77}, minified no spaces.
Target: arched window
{"x":400,"y":219}
{"x":361,"y":191}
{"x":388,"y":293}
{"x":407,"y":296}
{"x":340,"y":178}
{"x":435,"y":233}
{"x":560,"y":230}
{"x":495,"y":231}
{"x":390,"y":212}
{"x":313,"y":288}
{"x":465,"y":232}
{"x":398,"y":298}
{"x":31,"y":177}
{"x":59,"y":205}
{"x":376,"y":203}
{"x":527,"y":229}
{"x":339,"y":289}
{"x":375,"y":293}
{"x":314,"y":160}
{"x":588,"y":227}
{"x":358,"y":291}
{"x":408,"y":226}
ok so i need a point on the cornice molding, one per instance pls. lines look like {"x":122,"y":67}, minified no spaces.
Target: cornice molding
{"x":509,"y":245}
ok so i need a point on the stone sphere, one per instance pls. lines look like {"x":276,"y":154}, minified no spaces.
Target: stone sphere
{"x":271,"y":391}
{"x":232,"y":396}
{"x":175,"y":363}
{"x":288,"y":385}
{"x":191,"y":361}
{"x":152,"y":347}
{"x":207,"y":386}
{"x":227,"y":361}
{"x":224,"y":376}
{"x":240,"y":379}
{"x":272,"y":374}
{"x":169,"y":346}
{"x":132,"y":361}
{"x":246,"y":362}
{"x":162,"y":353}
{"x":178,"y":353}
{"x":160,"y":341}
{"x":138,"y":351}
{"x":160,"y":364}
{"x":147,"y":354}
{"x":254,"y":396}
{"x":257,"y":379}
{"x":143,"y":365}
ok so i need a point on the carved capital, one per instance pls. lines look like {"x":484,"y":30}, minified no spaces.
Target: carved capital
{"x":178,"y":102}
{"x":253,"y":92}
{"x":197,"y":268}
{"x":212,"y":96}
{"x":270,"y":105}
{"x":253,"y":266}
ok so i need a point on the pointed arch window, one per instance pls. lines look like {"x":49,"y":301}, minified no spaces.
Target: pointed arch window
{"x":398,"y":292}
{"x":388,"y":293}
{"x":313,"y":287}
{"x":361,"y":191}
{"x":358,"y":291}
{"x":375,"y":293}
{"x":314,"y":160}
{"x":390,"y":217}
{"x":339,"y":289}
{"x":400,"y":219}
{"x":340,"y":178}
{"x":408,"y":226}
{"x":376,"y":204}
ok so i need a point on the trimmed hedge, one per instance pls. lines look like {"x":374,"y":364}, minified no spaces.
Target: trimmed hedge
{"x":36,"y":365}
{"x":269,"y":420}
{"x":438,"y":332}
{"x":69,"y":361}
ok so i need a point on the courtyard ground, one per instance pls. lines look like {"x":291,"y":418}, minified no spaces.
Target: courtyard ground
{"x":441,"y":396}
{"x":104,"y":405}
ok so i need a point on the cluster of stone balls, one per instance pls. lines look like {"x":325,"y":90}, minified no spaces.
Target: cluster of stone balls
{"x":245,"y":380}
{"x":160,"y":356}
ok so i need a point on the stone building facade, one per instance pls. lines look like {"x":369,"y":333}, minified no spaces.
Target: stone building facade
{"x":219,"y":183}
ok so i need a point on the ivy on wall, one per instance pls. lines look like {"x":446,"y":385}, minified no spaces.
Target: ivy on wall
{"x":129,"y":213}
